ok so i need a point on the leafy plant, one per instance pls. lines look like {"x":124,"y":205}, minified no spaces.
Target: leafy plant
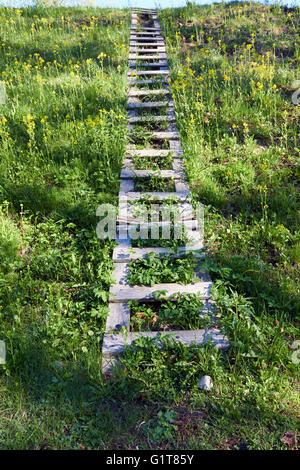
{"x":154,"y":183}
{"x":161,"y":428}
{"x":181,"y":312}
{"x":153,"y":269}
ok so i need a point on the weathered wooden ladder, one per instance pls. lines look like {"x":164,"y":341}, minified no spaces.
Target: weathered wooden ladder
{"x":148,"y":45}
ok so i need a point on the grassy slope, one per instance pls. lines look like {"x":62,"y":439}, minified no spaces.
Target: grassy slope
{"x":62,"y":139}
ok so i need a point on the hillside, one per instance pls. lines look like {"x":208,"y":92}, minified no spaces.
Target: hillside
{"x":63,"y":132}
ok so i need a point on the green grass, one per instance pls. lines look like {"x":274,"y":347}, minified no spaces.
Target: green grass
{"x":153,"y":163}
{"x":157,"y":269}
{"x":62,"y":140}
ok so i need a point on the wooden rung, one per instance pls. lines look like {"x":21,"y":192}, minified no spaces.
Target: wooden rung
{"x":124,"y":294}
{"x":147,"y":57}
{"x":147,"y":44}
{"x":194,"y":237}
{"x":153,"y":39}
{"x":128,"y":174}
{"x":148,"y":72}
{"x":149,"y":65}
{"x":152,"y":153}
{"x":161,"y":91}
{"x":134,"y":81}
{"x":164,"y":135}
{"x":153,"y":44}
{"x":136,"y":119}
{"x":119,"y":316}
{"x":146,"y":33}
{"x":158,"y":50}
{"x":173,"y":137}
{"x":150,"y":104}
{"x":157,"y":196}
{"x":123,"y":254}
{"x":138,"y":28}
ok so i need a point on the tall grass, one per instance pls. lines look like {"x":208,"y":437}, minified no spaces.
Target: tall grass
{"x":62,"y":139}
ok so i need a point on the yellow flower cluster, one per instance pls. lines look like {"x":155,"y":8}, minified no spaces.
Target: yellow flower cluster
{"x":30,"y":127}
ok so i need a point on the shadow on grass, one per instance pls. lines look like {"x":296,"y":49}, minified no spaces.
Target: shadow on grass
{"x":66,"y":405}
